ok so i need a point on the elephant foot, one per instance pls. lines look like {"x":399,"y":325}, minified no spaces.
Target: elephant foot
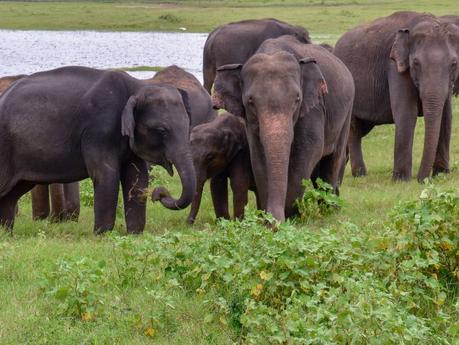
{"x":440,"y":170}
{"x":359,"y":172}
{"x":401,"y":176}
{"x":190,"y":220}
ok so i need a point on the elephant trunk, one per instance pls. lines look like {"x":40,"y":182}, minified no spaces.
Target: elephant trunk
{"x":185,"y":168}
{"x":276,"y":137}
{"x":432,"y":106}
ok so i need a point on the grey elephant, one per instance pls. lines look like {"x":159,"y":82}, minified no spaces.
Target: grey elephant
{"x":404,"y":66}
{"x":71,"y":123}
{"x":297,"y":100}
{"x":57,"y":201}
{"x":236,"y":42}
{"x":200,"y":107}
{"x":221,"y":152}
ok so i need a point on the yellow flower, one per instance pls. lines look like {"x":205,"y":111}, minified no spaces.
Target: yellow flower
{"x":256,"y":290}
{"x":265,"y":275}
{"x":446,"y":246}
{"x":86,"y":316}
{"x":149,"y":332}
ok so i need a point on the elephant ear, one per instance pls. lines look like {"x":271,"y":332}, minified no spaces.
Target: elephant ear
{"x":127,"y":118}
{"x":186,"y":103}
{"x":227,"y":90}
{"x":314,"y":84}
{"x":400,"y":51}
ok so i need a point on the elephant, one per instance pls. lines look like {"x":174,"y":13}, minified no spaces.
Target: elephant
{"x":199,"y":101}
{"x":67,"y":124}
{"x":237,"y":42}
{"x":220,"y":152}
{"x":404,"y":66}
{"x":65,"y":199}
{"x":297,"y":100}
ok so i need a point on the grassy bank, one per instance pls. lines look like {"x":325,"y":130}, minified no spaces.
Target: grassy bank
{"x":321,"y":17}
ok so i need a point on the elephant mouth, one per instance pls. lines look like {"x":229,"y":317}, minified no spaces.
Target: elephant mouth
{"x":167,"y":164}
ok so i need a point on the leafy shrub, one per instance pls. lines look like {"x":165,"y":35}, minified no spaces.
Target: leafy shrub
{"x":425,"y":248}
{"x":87,"y":193}
{"x":317,"y":201}
{"x":77,"y":285}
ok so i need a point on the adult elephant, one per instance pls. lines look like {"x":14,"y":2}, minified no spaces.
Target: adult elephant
{"x":199,"y":102}
{"x":237,"y":42}
{"x":71,"y":123}
{"x":297,"y":101}
{"x":65,"y":198}
{"x":404,"y":66}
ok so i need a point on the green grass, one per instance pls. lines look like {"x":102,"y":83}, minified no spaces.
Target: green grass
{"x":28,"y":315}
{"x":333,"y":17}
{"x":139,"y":68}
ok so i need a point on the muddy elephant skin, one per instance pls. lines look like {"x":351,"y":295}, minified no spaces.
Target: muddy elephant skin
{"x":404,"y":66}
{"x":296,"y":99}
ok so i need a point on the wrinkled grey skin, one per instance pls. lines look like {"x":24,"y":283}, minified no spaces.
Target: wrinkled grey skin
{"x":65,"y":199}
{"x":453,"y":20}
{"x":71,"y":123}
{"x":235,"y":42}
{"x":220,"y":152}
{"x":404,"y":66}
{"x":199,"y":102}
{"x":297,"y":100}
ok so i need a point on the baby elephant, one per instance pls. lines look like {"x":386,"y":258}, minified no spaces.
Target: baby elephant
{"x":220,"y":151}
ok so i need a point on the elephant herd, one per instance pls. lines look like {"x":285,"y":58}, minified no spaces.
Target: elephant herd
{"x":295,"y":110}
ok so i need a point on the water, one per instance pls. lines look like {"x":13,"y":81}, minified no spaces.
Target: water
{"x":25,"y":52}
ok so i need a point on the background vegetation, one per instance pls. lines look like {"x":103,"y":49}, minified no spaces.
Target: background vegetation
{"x":382,"y":269}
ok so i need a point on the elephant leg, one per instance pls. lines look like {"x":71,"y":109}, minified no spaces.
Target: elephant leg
{"x":9,"y":201}
{"x":56,"y":191}
{"x":441,"y":164}
{"x":72,"y":201}
{"x":219,"y":191}
{"x":40,"y":201}
{"x":332,"y":166}
{"x":404,"y":105}
{"x":196,"y":203}
{"x":358,"y":130}
{"x":239,"y":181}
{"x":304,"y":159}
{"x":134,"y":181}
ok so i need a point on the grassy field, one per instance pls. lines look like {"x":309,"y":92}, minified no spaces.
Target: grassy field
{"x":320,"y":17}
{"x":365,"y":281}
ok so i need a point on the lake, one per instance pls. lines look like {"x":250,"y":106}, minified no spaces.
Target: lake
{"x":25,"y":52}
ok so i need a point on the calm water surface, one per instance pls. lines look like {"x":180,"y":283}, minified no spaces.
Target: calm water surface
{"x":25,"y":52}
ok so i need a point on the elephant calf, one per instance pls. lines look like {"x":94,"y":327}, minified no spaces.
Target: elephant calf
{"x":220,"y":152}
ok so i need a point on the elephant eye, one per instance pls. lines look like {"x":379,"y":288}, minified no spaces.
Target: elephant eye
{"x":161,"y":131}
{"x":298,"y":99}
{"x":250,"y":100}
{"x":454,"y":63}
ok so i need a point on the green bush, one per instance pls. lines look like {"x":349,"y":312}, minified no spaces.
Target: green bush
{"x":318,"y":201}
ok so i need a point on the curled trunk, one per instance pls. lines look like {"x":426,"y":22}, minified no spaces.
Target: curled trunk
{"x":185,"y":168}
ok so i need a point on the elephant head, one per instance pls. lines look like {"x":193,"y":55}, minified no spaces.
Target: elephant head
{"x":271,"y":92}
{"x":156,"y":121}
{"x":429,"y":52}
